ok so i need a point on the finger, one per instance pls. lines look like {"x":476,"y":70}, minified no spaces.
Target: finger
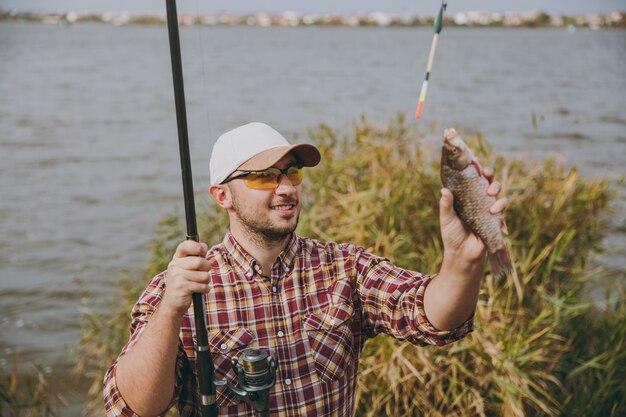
{"x":186,"y":288}
{"x":494,"y":189}
{"x":199,"y":277}
{"x":446,"y":208}
{"x":181,"y":280}
{"x":488,"y":173}
{"x":199,"y":288}
{"x":191,"y":263}
{"x":499,"y":206}
{"x":190,"y":248}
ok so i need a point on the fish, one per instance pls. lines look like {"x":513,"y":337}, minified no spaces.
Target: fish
{"x":463,"y":175}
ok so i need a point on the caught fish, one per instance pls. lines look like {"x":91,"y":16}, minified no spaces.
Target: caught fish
{"x":462,"y":174}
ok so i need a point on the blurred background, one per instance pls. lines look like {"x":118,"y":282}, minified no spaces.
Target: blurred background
{"x":88,"y":130}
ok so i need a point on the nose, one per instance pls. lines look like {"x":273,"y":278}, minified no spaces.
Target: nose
{"x":285,"y":186}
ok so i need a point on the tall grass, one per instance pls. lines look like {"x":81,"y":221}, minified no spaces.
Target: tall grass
{"x":539,"y":348}
{"x":25,"y":394}
{"x":104,"y":333}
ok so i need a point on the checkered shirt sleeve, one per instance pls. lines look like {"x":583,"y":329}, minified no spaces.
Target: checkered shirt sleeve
{"x":185,"y":389}
{"x":392,"y":301}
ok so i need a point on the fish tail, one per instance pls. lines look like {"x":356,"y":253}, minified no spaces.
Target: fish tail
{"x":500,"y":262}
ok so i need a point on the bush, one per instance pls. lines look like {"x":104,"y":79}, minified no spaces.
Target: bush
{"x":539,"y":348}
{"x":25,"y":394}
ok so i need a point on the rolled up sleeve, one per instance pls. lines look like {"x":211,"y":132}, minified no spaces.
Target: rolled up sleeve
{"x":148,"y":302}
{"x":392,"y":300}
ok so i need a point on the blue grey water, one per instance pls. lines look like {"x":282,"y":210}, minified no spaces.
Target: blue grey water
{"x":88,"y":142}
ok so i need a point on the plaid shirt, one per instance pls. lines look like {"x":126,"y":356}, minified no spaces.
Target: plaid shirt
{"x":313,"y":314}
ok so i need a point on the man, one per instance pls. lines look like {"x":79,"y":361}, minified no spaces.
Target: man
{"x":311,"y":304}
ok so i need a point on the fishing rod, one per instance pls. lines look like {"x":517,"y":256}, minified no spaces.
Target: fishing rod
{"x":204,"y":362}
{"x":255,"y":369}
{"x":437,"y":26}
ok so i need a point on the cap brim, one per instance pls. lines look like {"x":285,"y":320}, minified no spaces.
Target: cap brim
{"x":306,"y":154}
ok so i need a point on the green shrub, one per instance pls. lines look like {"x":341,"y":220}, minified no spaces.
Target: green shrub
{"x":539,"y":348}
{"x":25,"y":394}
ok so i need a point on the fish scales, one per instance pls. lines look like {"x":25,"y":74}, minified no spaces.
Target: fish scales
{"x":464,"y":186}
{"x":462,"y":174}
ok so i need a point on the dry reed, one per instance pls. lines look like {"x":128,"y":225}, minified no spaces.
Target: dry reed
{"x":539,"y":347}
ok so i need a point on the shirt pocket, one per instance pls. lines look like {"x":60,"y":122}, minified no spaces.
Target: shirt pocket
{"x":226,"y":345}
{"x":331,"y":341}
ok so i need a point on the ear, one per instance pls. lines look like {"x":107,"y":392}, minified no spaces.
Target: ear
{"x":222,"y":195}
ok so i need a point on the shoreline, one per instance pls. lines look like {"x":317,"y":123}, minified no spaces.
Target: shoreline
{"x":472,"y":19}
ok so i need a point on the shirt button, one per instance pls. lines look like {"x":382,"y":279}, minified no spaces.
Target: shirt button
{"x":257,"y":268}
{"x":249,"y":274}
{"x":288,"y":270}
{"x":274,"y":288}
{"x":287,"y":381}
{"x":332,"y":322}
{"x":223,"y":346}
{"x":280,"y":333}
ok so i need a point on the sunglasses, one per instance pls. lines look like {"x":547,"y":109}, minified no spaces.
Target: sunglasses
{"x":268,"y":179}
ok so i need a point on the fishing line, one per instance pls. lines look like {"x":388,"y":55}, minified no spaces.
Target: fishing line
{"x":204,"y":361}
{"x":205,"y":85}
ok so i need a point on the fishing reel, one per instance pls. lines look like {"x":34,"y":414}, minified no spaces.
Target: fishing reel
{"x":256,"y":375}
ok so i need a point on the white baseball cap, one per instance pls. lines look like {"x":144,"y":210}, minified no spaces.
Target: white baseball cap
{"x":255,"y":147}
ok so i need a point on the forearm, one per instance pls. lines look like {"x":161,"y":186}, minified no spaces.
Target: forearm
{"x":450,"y":299}
{"x":146,"y":374}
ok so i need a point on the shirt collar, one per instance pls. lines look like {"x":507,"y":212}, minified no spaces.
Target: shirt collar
{"x":248,"y":264}
{"x":288,"y":255}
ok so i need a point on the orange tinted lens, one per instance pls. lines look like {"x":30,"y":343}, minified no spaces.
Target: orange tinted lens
{"x":268,"y":179}
{"x":263,"y":180}
{"x":295,"y":175}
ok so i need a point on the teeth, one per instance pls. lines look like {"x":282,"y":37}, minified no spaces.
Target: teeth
{"x":282,"y":207}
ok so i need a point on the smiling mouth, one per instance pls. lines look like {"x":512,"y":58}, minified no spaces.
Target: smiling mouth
{"x":285,"y":207}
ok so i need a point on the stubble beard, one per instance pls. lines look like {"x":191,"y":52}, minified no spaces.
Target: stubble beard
{"x":262,"y":231}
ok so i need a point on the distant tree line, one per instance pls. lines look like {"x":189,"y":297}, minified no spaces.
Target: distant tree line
{"x":530,"y":19}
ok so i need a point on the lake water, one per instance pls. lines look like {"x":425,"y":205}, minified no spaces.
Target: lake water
{"x":89,"y":149}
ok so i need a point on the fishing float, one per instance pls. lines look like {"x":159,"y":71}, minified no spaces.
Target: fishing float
{"x":438,"y":25}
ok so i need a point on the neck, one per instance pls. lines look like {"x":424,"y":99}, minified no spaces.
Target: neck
{"x":264,"y":250}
